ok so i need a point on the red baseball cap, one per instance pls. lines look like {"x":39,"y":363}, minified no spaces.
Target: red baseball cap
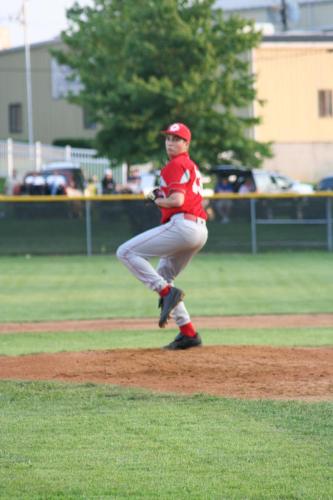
{"x":180,"y":130}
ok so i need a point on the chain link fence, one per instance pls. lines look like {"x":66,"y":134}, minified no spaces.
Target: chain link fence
{"x":98,"y":225}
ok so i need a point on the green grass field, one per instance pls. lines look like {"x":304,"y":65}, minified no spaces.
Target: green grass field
{"x":32,"y":343}
{"x":63,"y":441}
{"x":40,"y":288}
{"x":86,"y":441}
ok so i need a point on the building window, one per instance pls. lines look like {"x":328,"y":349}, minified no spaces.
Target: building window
{"x":15,"y":118}
{"x":88,"y":121}
{"x":325,"y":103}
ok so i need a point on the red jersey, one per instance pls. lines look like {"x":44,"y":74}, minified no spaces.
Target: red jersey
{"x":182,"y":175}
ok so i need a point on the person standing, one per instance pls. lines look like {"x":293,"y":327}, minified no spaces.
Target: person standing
{"x":12,"y":184}
{"x":223,"y":206}
{"x":180,"y":236}
{"x":91,"y":188}
{"x":108,"y":182}
{"x":56,"y":183}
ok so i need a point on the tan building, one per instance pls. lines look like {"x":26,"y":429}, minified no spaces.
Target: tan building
{"x":53,"y":117}
{"x":295,"y":82}
{"x":4,"y":38}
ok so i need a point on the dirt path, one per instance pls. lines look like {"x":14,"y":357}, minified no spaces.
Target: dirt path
{"x":248,"y":372}
{"x":202,"y":322}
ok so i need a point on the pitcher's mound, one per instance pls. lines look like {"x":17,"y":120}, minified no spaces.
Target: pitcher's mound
{"x":249,"y":372}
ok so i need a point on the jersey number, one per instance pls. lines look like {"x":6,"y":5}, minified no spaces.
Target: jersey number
{"x":197,"y":183}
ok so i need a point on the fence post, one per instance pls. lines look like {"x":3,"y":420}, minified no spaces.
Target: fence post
{"x":38,"y":156}
{"x":88,"y":228}
{"x":253,"y":225}
{"x":124,"y":173}
{"x":68,"y":153}
{"x":329,"y":224}
{"x":10,"y":158}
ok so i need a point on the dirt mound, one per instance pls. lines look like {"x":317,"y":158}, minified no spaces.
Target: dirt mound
{"x":233,"y":371}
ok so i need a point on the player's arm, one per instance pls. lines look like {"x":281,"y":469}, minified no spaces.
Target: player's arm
{"x":174,"y":200}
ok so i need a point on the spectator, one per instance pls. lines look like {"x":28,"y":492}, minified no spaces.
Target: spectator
{"x":35,"y":184}
{"x":223,"y":206}
{"x":134,"y":181}
{"x":91,"y":188}
{"x":246,"y":187}
{"x":108,"y":183}
{"x":76,"y":206}
{"x":12,"y":185}
{"x":72,"y":190}
{"x":56,"y":183}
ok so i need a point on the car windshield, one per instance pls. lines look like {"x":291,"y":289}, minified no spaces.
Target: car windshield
{"x":326,"y":183}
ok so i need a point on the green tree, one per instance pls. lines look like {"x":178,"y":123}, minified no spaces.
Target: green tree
{"x":147,"y":63}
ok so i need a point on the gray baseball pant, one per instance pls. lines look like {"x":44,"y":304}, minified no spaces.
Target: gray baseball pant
{"x":175,"y":242}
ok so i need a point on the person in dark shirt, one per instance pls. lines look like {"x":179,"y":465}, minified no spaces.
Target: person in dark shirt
{"x":108,"y":183}
{"x":223,"y":206}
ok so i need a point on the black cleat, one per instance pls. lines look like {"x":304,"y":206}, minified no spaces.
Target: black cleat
{"x":184,"y":342}
{"x":169,"y":302}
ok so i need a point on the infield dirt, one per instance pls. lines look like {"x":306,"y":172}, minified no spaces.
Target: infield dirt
{"x":249,"y":372}
{"x":233,"y":371}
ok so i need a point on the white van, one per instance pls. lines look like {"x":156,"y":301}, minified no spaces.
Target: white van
{"x":261,"y":180}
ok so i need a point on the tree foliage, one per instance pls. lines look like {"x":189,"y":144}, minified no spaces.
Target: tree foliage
{"x":147,"y":63}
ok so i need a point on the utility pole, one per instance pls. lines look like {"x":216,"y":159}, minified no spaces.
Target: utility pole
{"x":284,"y":15}
{"x":28,"y":71}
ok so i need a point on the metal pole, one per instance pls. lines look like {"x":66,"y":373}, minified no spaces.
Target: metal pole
{"x":253,"y":225}
{"x":10,"y":158}
{"x":68,"y":153}
{"x":284,"y":15}
{"x":38,"y":155}
{"x":28,"y":72}
{"x":88,"y":228}
{"x":329,"y":224}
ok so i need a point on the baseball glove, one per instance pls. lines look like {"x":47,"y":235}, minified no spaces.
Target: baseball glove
{"x":155,"y":193}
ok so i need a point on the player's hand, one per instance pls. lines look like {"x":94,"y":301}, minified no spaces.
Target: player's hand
{"x":154,"y":194}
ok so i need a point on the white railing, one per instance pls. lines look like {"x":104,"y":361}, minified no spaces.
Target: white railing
{"x":21,"y":158}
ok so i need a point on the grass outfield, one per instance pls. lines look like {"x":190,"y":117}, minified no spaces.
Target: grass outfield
{"x":32,"y":343}
{"x":86,"y":441}
{"x":41,"y":288}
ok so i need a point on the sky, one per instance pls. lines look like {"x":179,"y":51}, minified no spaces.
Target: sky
{"x":46,"y":18}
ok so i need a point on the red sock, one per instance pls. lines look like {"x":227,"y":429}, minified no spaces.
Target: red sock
{"x":165,"y":291}
{"x":188,"y":330}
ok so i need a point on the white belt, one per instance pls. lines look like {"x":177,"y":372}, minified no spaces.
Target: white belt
{"x":193,"y":218}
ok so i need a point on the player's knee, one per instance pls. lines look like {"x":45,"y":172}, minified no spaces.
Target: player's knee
{"x":166,"y":273}
{"x":121,"y":252}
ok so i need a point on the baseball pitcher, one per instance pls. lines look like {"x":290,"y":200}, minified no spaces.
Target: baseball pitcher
{"x":180,"y":236}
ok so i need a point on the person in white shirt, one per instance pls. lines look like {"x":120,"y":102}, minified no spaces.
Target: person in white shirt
{"x":35,"y":184}
{"x":56,"y":183}
{"x":246,"y":187}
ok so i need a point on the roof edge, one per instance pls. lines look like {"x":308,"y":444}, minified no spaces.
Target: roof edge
{"x":36,"y":45}
{"x":298,"y":37}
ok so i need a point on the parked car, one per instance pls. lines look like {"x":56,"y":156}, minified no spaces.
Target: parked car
{"x":54,"y":178}
{"x":261,"y":180}
{"x":325,"y":184}
{"x":288,"y":185}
